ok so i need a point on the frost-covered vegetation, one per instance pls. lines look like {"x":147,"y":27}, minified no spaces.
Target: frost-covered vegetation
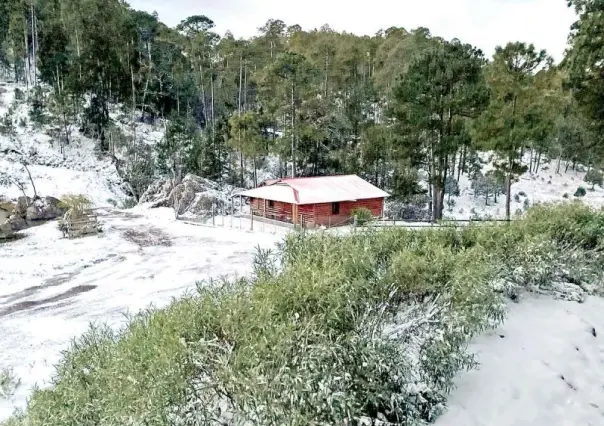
{"x":330,"y":329}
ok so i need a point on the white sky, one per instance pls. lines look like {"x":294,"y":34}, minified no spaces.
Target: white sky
{"x":484,"y":23}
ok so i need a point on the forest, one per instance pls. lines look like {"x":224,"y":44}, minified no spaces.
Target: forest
{"x":397,"y":108}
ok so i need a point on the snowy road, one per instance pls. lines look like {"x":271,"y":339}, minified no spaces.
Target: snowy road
{"x":52,"y":288}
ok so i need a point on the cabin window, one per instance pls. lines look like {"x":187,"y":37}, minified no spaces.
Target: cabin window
{"x":335,"y":208}
{"x":271,"y":204}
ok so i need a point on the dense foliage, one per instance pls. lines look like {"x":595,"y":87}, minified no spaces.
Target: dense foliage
{"x":330,"y":330}
{"x":395,"y":107}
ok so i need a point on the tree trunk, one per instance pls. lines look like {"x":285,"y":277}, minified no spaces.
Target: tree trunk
{"x":33,"y":43}
{"x":508,"y":198}
{"x":245,"y":88}
{"x":293,"y":124}
{"x":203,"y":93}
{"x":255,"y":172}
{"x":538,"y":159}
{"x":462,"y":167}
{"x":133,"y":107}
{"x":212,"y":99}
{"x":326,"y":70}
{"x":242,"y":169}
{"x":26,"y":65}
{"x":32,"y":181}
{"x":558,"y":166}
{"x":240,"y":85}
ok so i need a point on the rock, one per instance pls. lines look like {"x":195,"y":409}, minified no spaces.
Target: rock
{"x":27,"y":211}
{"x":17,"y":223}
{"x":6,"y":209}
{"x":45,"y":208}
{"x":21,"y":207}
{"x":195,"y":196}
{"x":6,"y":231}
{"x":158,"y":192}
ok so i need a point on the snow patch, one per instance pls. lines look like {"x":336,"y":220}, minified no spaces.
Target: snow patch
{"x":543,"y":367}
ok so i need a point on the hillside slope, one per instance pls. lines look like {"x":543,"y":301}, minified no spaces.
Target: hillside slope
{"x":77,"y":170}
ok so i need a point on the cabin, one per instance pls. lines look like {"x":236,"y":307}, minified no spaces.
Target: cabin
{"x":315,"y":201}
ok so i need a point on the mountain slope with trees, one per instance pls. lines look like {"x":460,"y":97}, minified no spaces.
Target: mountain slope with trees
{"x":396,"y":108}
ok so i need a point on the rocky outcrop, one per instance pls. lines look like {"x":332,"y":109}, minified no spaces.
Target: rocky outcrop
{"x":27,"y":212}
{"x":194,"y":196}
{"x":45,"y":208}
{"x":6,"y":231}
{"x":6,"y":210}
{"x":158,"y":193}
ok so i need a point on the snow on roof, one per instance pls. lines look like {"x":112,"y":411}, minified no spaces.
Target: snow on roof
{"x":313,"y":190}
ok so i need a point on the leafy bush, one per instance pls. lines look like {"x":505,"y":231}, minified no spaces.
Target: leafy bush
{"x":416,"y":211}
{"x":75,"y":202}
{"x":595,"y":177}
{"x":128,"y":203}
{"x":451,"y":204}
{"x":517,"y":198}
{"x":451,"y":187}
{"x":19,"y":95}
{"x":330,"y":329}
{"x":580,"y":192}
{"x":526,"y":204}
{"x":39,"y":111}
{"x":8,"y":383}
{"x":565,"y":195}
{"x":362,"y":215}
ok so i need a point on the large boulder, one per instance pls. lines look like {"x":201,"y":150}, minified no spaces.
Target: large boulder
{"x":193,"y":196}
{"x":158,"y":193}
{"x":6,"y":210}
{"x":28,"y":211}
{"x":45,"y":208}
{"x":6,"y":231}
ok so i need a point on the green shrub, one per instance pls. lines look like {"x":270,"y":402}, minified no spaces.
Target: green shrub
{"x":330,"y":329}
{"x":362,"y":215}
{"x":595,"y":177}
{"x":580,"y":192}
{"x":8,"y":383}
{"x":128,"y":203}
{"x":19,"y":94}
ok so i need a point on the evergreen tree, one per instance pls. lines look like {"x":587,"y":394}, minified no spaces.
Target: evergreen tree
{"x":440,"y":91}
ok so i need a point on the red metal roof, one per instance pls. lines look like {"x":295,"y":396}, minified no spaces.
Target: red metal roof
{"x":314,"y":190}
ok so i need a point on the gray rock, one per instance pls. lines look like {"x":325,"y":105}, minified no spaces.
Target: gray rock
{"x":6,"y":231}
{"x":45,"y":208}
{"x":28,"y":211}
{"x":158,"y":193}
{"x":21,"y":207}
{"x":195,"y":196}
{"x":17,"y":223}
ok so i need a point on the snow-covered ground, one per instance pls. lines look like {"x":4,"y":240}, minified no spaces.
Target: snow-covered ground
{"x":543,"y":367}
{"x":546,"y":186}
{"x":51,"y":288}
